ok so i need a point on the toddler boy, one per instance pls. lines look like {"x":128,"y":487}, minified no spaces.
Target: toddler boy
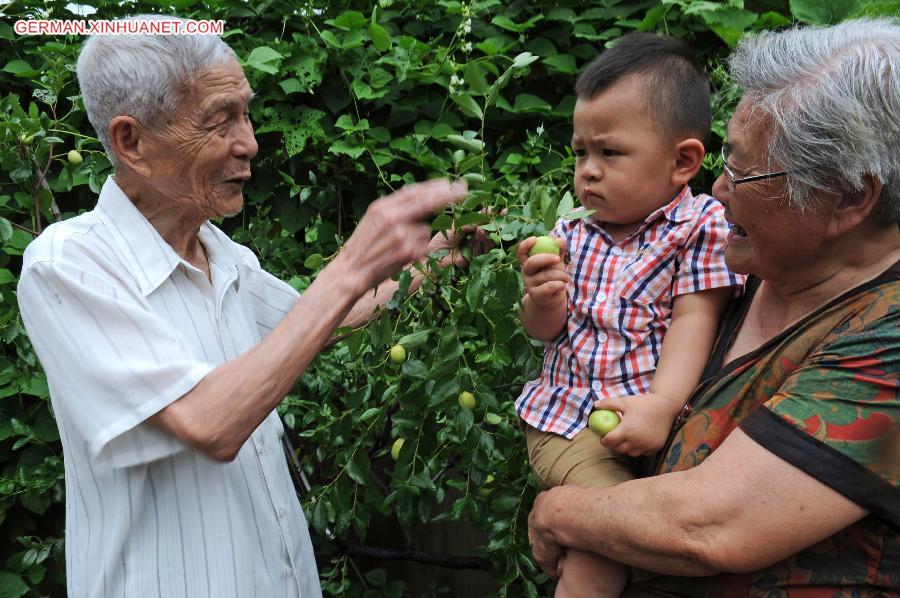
{"x":646,"y":266}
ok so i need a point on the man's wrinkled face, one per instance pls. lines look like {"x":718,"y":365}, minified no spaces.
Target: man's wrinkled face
{"x":200,"y":159}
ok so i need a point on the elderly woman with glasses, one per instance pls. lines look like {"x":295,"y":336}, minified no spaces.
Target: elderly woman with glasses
{"x":781,"y":475}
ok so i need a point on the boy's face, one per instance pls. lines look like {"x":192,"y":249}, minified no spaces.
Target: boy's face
{"x":624,"y":160}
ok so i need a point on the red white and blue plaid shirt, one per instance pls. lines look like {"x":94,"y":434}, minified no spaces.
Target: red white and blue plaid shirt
{"x":620,"y":306}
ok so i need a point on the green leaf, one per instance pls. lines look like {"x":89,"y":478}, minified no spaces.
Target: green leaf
{"x":816,"y":12}
{"x":566,"y":205}
{"x":330,"y":39}
{"x":313,"y":261}
{"x":359,"y":466}
{"x":20,"y":68}
{"x":264,"y":59}
{"x":563,"y":63}
{"x":291,"y":85}
{"x":6,"y":230}
{"x":472,"y":219}
{"x":380,"y":37}
{"x":476,"y":146}
{"x":475,"y":77}
{"x":582,"y":213}
{"x":11,"y":585}
{"x":550,"y":214}
{"x":377,"y":577}
{"x":347,"y":147}
{"x":877,"y":8}
{"x":350,"y":20}
{"x":468,"y":105}
{"x":415,"y":339}
{"x":525,"y":102}
{"x":524,"y":59}
{"x":36,"y":502}
{"x":442,"y":222}
{"x":414,"y":368}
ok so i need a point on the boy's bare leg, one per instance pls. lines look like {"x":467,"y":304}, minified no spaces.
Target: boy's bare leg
{"x":589,"y":575}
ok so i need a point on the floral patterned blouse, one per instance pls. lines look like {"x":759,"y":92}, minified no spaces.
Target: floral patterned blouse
{"x":824,"y":396}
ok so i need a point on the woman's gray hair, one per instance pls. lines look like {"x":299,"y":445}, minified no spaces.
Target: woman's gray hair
{"x":141,"y":75}
{"x":833,"y":94}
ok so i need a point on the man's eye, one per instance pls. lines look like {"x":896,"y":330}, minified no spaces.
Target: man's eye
{"x":610,"y":152}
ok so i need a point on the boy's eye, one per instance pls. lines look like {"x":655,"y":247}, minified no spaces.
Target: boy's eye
{"x":610,"y":152}
{"x":579,"y":153}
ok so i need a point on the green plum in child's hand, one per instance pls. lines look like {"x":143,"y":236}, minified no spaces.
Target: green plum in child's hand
{"x":544,"y":244}
{"x":603,"y":421}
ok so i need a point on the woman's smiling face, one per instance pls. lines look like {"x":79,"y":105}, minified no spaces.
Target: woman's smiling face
{"x":768,"y":238}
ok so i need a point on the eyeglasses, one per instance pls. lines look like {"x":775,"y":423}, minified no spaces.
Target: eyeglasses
{"x":734,"y":181}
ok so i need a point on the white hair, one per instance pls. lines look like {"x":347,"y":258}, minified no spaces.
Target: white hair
{"x":141,"y":75}
{"x":833,"y":94}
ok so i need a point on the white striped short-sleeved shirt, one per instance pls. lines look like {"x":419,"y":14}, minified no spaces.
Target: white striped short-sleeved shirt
{"x":123,"y":328}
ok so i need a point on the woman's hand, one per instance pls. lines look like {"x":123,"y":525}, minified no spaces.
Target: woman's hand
{"x":546,"y":551}
{"x":646,"y":423}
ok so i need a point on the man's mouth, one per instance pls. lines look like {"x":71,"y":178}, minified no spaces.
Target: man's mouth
{"x":238,"y":180}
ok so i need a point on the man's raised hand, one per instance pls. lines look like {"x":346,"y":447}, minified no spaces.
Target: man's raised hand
{"x":394,"y":230}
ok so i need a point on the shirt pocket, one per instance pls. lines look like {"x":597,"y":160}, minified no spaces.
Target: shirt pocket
{"x":646,"y":281}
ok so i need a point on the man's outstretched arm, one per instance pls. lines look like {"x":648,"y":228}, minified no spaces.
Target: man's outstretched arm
{"x":219,"y":414}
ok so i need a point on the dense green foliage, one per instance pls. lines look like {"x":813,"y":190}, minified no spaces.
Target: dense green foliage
{"x":355,"y":99}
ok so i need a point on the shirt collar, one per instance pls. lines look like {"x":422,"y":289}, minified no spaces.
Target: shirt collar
{"x":677,"y":210}
{"x":147,"y":254}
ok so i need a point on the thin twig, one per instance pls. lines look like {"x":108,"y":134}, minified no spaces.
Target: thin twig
{"x":448,"y":561}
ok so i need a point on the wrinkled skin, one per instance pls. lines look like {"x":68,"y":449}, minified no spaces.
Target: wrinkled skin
{"x":201,"y":157}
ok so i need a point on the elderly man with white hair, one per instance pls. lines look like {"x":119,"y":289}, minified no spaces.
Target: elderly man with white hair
{"x":781,"y":477}
{"x":167,"y":346}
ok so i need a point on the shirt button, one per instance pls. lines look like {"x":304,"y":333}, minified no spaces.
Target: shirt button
{"x":259,"y":449}
{"x":601,"y":337}
{"x":617,"y":250}
{"x":597,"y":385}
{"x":601,"y":297}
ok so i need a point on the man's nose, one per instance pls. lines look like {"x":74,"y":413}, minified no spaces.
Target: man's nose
{"x":245,"y":145}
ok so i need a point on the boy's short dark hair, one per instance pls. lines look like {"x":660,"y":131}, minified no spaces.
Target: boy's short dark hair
{"x":677,"y":90}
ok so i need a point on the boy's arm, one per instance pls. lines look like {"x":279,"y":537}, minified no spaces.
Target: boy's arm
{"x":686,"y":348}
{"x":543,"y":323}
{"x":688,"y":343}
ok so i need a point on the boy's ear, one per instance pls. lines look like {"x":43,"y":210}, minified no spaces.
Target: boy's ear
{"x":688,"y":160}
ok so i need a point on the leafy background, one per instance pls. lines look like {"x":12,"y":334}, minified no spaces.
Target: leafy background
{"x":355,"y":99}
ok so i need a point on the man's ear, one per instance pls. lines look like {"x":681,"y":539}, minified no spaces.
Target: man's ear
{"x":129,"y":145}
{"x":688,"y":160}
{"x":854,"y":207}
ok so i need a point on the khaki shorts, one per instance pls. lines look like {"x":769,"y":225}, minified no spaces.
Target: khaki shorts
{"x":582,"y":461}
